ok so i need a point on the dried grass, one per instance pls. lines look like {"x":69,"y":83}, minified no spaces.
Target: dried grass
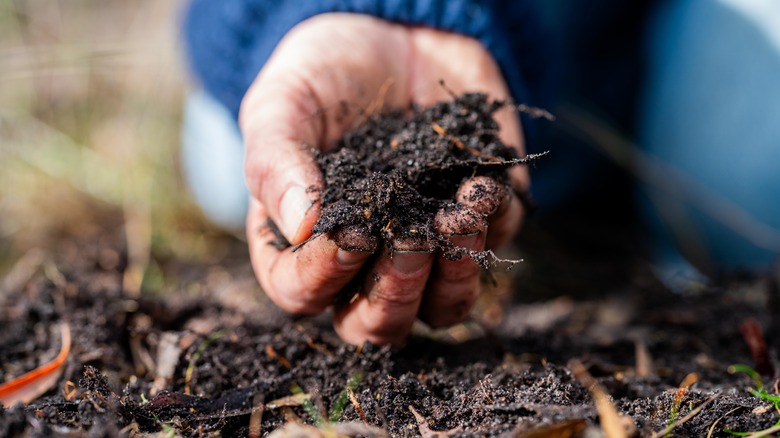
{"x":89,"y":125}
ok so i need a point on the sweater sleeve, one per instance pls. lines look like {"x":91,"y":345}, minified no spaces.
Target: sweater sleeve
{"x":228,"y":41}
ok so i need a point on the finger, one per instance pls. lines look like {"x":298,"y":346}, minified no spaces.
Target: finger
{"x":305,"y":281}
{"x":482,"y":74}
{"x":497,"y":202}
{"x":385,"y":311}
{"x":307,"y":96}
{"x":280,"y":169}
{"x":454,"y":284}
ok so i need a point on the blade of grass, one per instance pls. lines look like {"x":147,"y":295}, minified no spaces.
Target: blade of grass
{"x":712,"y":428}
{"x":288,"y":401}
{"x":680,"y":394}
{"x":343,"y":398}
{"x":694,"y":412}
{"x":256,"y":418}
{"x":754,"y":338}
{"x":308,"y":406}
{"x":750,"y":372}
{"x":765,"y":432}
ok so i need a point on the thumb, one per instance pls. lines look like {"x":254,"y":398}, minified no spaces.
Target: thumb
{"x":281,"y":172}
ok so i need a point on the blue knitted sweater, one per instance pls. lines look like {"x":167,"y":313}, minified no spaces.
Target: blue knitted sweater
{"x":548,"y":50}
{"x":230,"y":40}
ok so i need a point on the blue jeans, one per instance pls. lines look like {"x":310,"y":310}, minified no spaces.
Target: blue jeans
{"x":710,"y":115}
{"x":212,"y":156}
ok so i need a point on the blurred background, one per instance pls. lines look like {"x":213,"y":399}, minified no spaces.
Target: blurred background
{"x":90,"y":102}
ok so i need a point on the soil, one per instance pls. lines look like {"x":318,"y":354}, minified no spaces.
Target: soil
{"x":212,"y":356}
{"x":386,"y":180}
{"x":203,"y":359}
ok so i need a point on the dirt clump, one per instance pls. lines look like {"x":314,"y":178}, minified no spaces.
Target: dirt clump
{"x":394,"y":180}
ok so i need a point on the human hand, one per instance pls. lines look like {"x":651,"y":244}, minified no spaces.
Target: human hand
{"x":297,"y":103}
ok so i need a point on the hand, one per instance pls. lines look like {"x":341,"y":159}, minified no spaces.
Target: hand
{"x":298,"y":102}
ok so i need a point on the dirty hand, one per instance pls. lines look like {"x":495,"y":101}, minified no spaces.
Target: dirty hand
{"x":300,"y":100}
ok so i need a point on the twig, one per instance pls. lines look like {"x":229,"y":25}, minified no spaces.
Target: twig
{"x":673,"y":183}
{"x":481,"y":258}
{"x":449,"y":90}
{"x":765,"y":432}
{"x":495,"y":163}
{"x":680,"y":394}
{"x":484,"y":390}
{"x":534,"y":112}
{"x":21,"y":272}
{"x":288,"y":401}
{"x":425,"y":429}
{"x":609,"y":418}
{"x":422,"y":424}
{"x":644,"y":362}
{"x":347,"y":394}
{"x":668,"y":429}
{"x":712,"y":428}
{"x":356,"y":405}
{"x":754,"y":338}
{"x":269,"y":350}
{"x":256,"y":419}
{"x":138,"y":235}
{"x":312,"y":237}
{"x":378,"y":103}
{"x":455,"y":140}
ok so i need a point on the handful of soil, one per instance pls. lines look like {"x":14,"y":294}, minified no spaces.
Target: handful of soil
{"x":386,"y":181}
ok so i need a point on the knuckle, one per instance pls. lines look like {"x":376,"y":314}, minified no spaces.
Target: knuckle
{"x":451,"y":312}
{"x":463,"y":271}
{"x":256,"y":171}
{"x":298,"y":307}
{"x":400,"y":297}
{"x":292,"y":302}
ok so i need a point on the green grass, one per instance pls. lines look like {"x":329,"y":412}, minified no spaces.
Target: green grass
{"x":759,"y":391}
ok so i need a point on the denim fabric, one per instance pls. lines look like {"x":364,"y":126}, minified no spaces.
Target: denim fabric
{"x":711,"y":114}
{"x":212,"y":155}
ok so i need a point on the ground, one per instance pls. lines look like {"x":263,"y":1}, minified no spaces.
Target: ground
{"x":215,"y":356}
{"x":171,"y":334}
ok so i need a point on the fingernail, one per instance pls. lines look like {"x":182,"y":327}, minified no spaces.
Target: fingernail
{"x":409,"y":262}
{"x":470,"y":241}
{"x":295,"y":203}
{"x":350,"y":258}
